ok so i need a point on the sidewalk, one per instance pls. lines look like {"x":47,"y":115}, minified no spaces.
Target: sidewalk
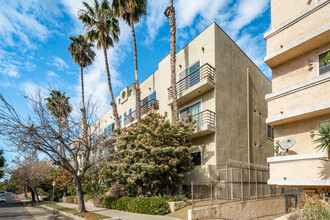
{"x":116,"y":214}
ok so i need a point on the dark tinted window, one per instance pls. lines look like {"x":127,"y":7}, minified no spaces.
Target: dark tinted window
{"x":323,"y":69}
{"x":197,"y":158}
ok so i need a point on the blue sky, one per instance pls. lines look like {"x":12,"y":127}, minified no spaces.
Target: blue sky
{"x":35,"y":36}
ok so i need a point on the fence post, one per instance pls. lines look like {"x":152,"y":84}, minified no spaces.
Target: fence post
{"x":192,"y":194}
{"x":211,"y":193}
{"x":256,"y":183}
{"x":231,"y":184}
{"x":242,"y":186}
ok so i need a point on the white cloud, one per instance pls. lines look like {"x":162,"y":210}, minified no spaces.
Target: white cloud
{"x":247,"y":11}
{"x":27,"y":21}
{"x":51,"y":74}
{"x":60,"y":64}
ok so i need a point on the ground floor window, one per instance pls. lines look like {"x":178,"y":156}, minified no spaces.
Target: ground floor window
{"x":197,"y":158}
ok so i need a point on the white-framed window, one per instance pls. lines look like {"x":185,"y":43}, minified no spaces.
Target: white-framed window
{"x":270,"y":132}
{"x":197,"y":157}
{"x":192,"y":109}
{"x":323,"y":69}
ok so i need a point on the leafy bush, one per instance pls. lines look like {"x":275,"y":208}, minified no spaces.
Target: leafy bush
{"x":109,"y":202}
{"x":93,"y":189}
{"x":72,"y":190}
{"x":316,"y":210}
{"x":174,"y":198}
{"x":70,"y":199}
{"x":143,"y":205}
{"x":118,"y":190}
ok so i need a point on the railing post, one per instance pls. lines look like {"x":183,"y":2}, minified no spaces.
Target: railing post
{"x":192,"y":194}
{"x":211,"y":193}
{"x":242,"y":186}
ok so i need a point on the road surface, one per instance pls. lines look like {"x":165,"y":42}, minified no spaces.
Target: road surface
{"x":14,"y":209}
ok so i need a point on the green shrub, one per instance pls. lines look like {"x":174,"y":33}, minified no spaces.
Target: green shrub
{"x":174,"y":198}
{"x":70,"y":199}
{"x":109,"y":202}
{"x":143,"y":205}
{"x":316,"y":210}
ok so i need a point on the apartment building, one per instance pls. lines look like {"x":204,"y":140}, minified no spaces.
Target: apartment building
{"x":300,"y":102}
{"x":224,"y":91}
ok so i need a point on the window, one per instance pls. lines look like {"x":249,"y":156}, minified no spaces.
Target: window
{"x":149,"y":103}
{"x":197,"y":158}
{"x":80,"y":161}
{"x":191,"y":75}
{"x":120,"y":121}
{"x":94,"y":156}
{"x":105,"y":151}
{"x":323,"y":69}
{"x":193,"y":110}
{"x":270,"y":132}
{"x":93,"y":139}
{"x":130,"y":92}
{"x":124,"y":118}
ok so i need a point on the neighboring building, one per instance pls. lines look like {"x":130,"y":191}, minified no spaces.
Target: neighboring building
{"x":221,"y":87}
{"x":300,"y":101}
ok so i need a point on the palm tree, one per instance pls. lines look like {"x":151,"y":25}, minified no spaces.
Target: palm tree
{"x":170,"y":14}
{"x":324,"y":138}
{"x":59,"y":106}
{"x":102,"y":26}
{"x":131,"y":11}
{"x":83,"y":55}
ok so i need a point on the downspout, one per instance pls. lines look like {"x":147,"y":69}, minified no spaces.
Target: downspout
{"x":248,"y":112}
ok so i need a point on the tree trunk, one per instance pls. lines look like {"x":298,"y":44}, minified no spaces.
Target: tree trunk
{"x":170,"y":13}
{"x":33,"y":198}
{"x":113,"y":103}
{"x":80,"y":194}
{"x":137,"y":85}
{"x":25,"y":194}
{"x":83,"y":110}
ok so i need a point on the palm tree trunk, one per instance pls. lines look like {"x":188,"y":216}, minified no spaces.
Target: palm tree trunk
{"x":137,"y":86}
{"x":83,"y":106}
{"x":113,"y":103}
{"x":170,"y":13}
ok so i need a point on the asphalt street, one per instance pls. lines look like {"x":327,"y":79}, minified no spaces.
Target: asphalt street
{"x":14,"y":209}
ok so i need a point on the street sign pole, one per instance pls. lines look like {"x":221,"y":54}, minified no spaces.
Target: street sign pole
{"x":53,"y":193}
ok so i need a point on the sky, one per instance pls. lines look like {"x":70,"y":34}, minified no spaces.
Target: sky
{"x":34,"y":37}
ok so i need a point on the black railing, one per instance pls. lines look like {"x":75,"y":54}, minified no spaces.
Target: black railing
{"x":145,"y":108}
{"x":205,"y":71}
{"x":205,"y":117}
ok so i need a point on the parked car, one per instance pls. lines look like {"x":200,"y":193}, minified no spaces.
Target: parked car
{"x":2,"y":197}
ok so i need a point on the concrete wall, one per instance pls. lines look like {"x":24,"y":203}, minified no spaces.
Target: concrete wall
{"x":281,"y":10}
{"x":297,"y":70}
{"x":246,"y":210}
{"x":299,"y":29}
{"x":231,"y":107}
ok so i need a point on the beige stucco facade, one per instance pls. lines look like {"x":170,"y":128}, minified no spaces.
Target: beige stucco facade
{"x":229,"y":96}
{"x":300,"y":101}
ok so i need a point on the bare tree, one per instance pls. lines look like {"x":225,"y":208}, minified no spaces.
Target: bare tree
{"x":39,"y":131}
{"x":30,"y":173}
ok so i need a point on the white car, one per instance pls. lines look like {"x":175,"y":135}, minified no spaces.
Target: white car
{"x":2,"y":197}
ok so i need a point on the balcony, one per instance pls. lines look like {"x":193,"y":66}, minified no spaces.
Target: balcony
{"x":196,"y":83}
{"x":149,"y":106}
{"x":205,"y":123}
{"x":300,"y":171}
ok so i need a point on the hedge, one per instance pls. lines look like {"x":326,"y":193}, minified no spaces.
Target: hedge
{"x":70,"y":199}
{"x":143,"y":205}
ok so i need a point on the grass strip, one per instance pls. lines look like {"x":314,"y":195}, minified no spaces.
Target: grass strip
{"x":86,"y":215}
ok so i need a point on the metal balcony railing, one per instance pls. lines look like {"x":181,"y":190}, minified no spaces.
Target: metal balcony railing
{"x":205,"y":117}
{"x":152,"y":104}
{"x":205,"y":71}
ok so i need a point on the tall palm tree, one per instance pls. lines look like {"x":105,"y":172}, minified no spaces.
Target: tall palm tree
{"x":83,"y":55}
{"x":59,"y":106}
{"x":170,"y":14}
{"x":131,"y":11}
{"x":102,"y":26}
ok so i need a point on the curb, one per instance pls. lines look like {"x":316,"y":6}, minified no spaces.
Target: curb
{"x":64,"y":213}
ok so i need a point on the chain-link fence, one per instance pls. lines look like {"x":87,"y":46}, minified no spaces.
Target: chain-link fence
{"x":237,"y":181}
